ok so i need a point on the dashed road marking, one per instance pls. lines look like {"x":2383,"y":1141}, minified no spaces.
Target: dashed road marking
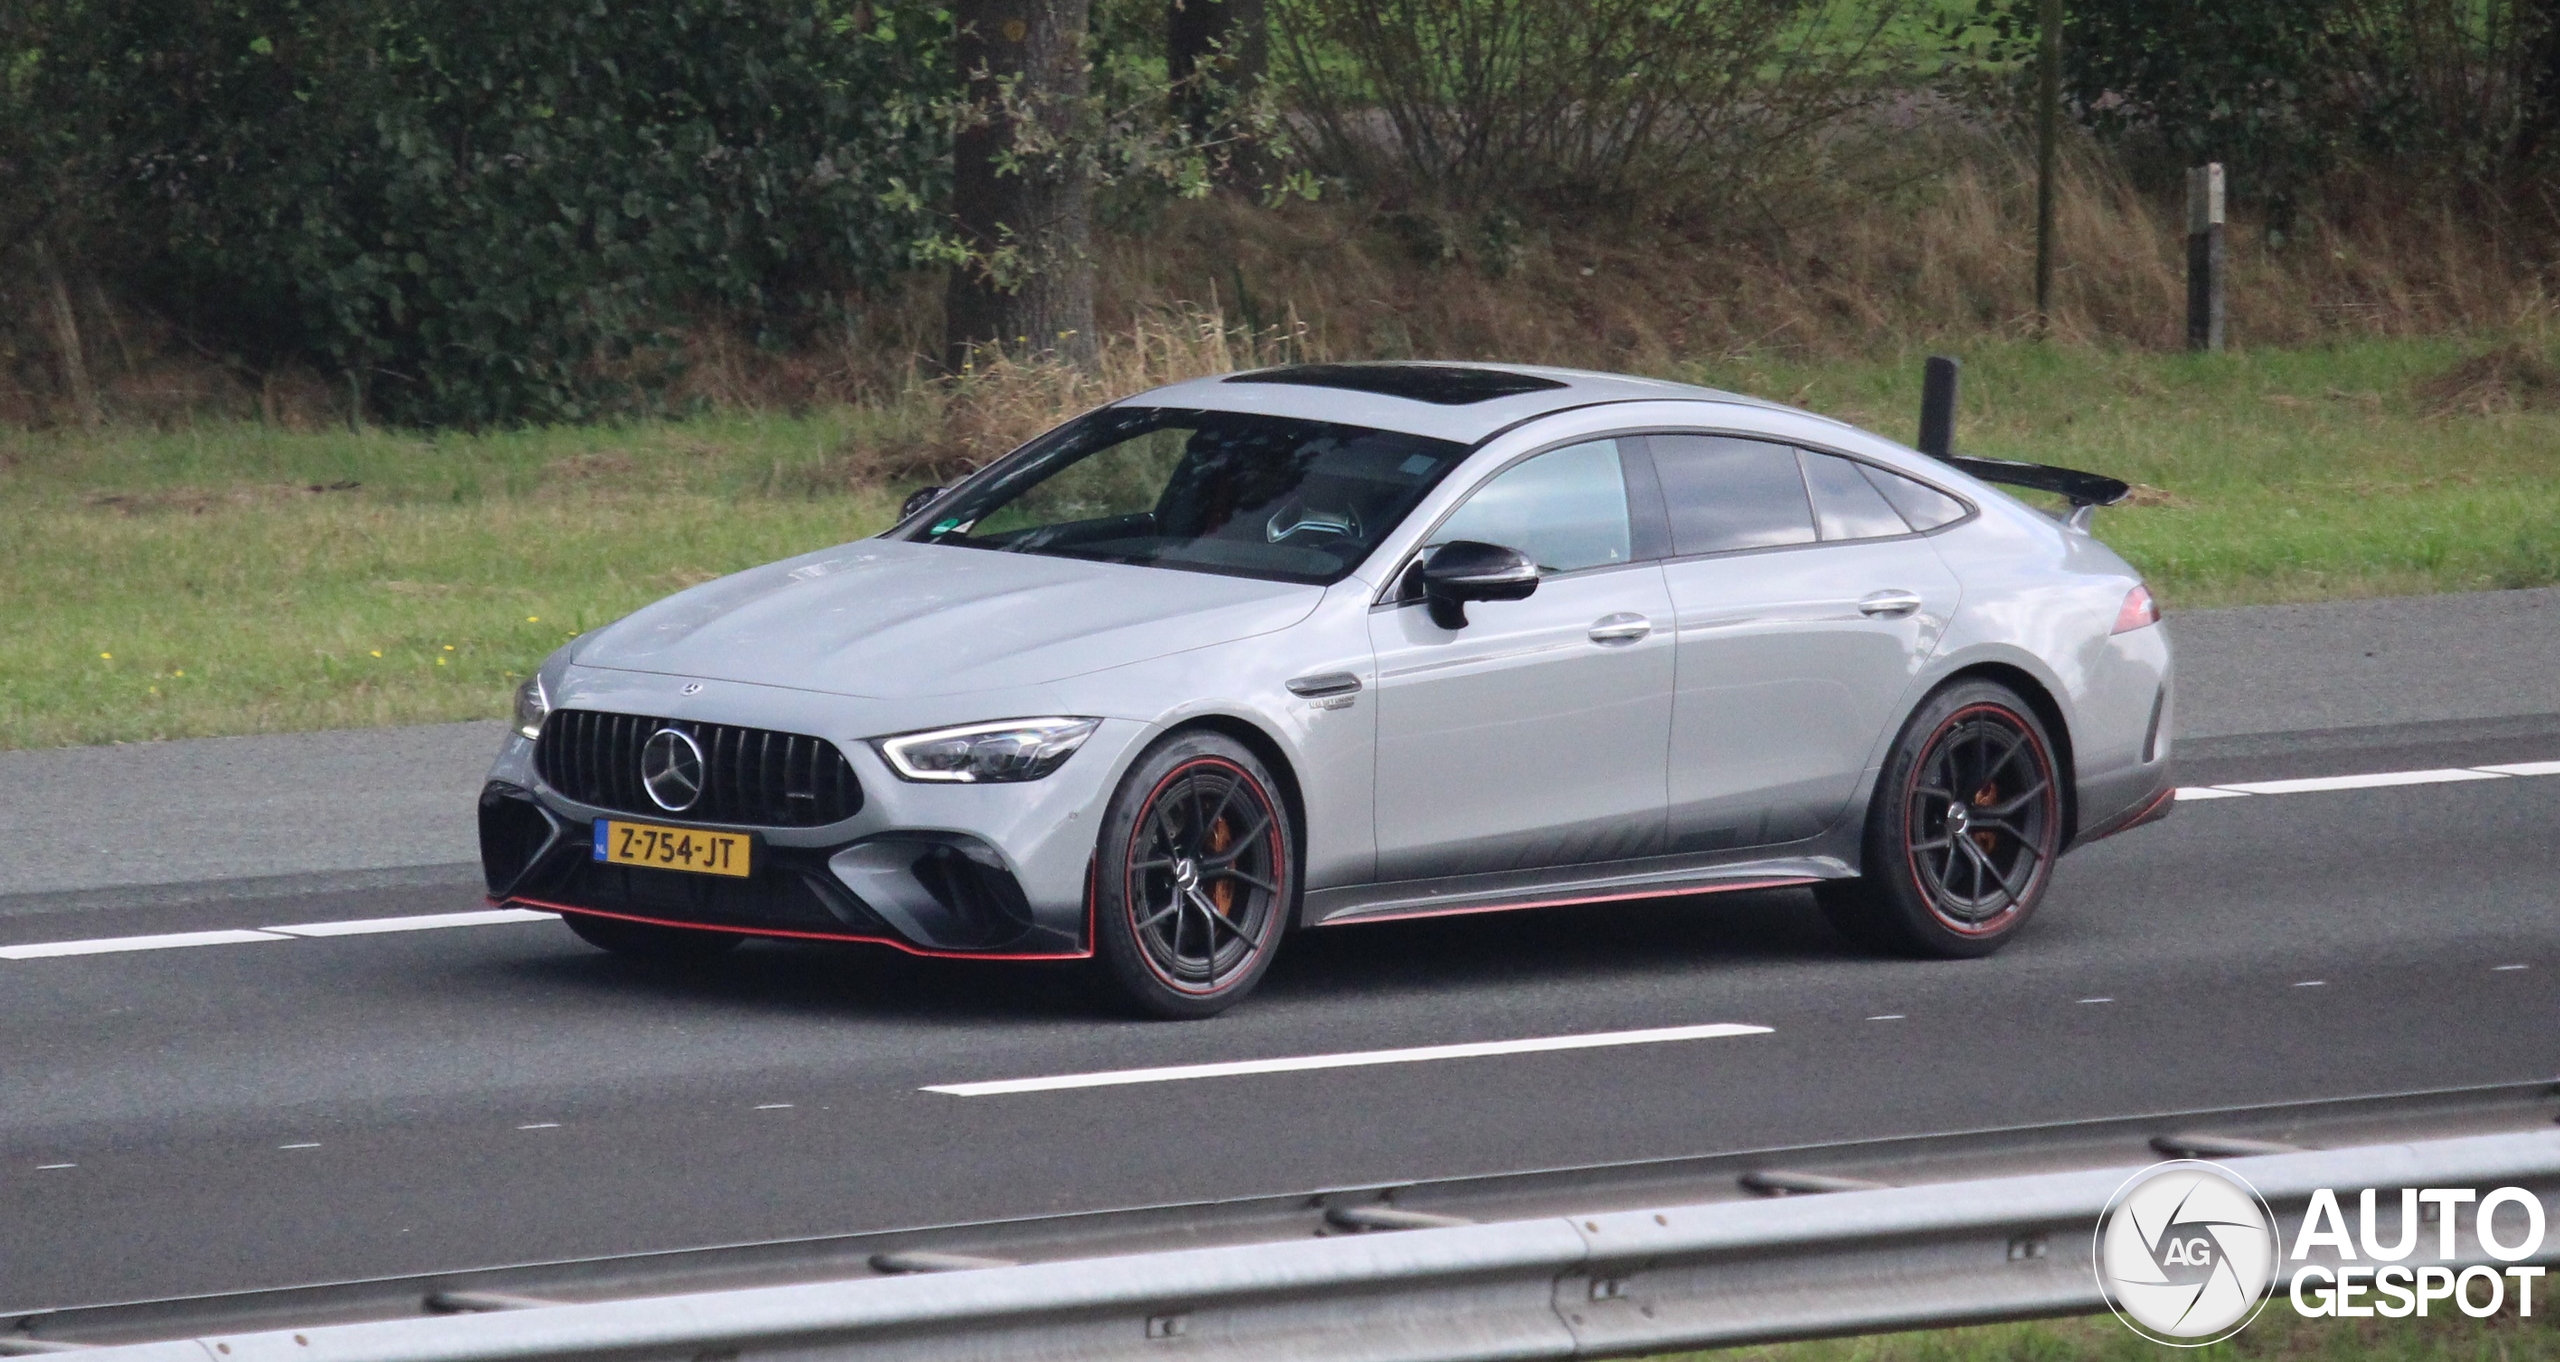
{"x":2097,"y":1000}
{"x":2371,"y":780}
{"x":307,"y":1144}
{"x":167,"y":941}
{"x":424,"y":922}
{"x":2313,"y":983}
{"x":540,"y":1125}
{"x":1889,"y":1016}
{"x":1353,"y":1059}
{"x":2494,"y":969}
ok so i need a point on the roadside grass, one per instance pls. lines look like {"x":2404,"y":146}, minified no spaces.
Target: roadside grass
{"x":2278,"y":1333}
{"x":192,"y":582}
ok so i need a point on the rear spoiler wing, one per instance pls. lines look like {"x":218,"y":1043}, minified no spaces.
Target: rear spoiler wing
{"x":2085,"y":491}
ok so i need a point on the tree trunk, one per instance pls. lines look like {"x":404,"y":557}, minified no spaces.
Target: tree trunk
{"x":1227,"y":40}
{"x":66,"y":343}
{"x":1028,"y":290}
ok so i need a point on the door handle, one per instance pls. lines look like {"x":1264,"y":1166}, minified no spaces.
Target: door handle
{"x":1620,"y":628}
{"x":1889,"y":603}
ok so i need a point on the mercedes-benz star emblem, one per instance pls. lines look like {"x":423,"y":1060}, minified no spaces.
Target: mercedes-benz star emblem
{"x":671,"y":770}
{"x":693,"y":688}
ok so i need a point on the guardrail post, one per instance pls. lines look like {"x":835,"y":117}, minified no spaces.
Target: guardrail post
{"x":2204,"y":256}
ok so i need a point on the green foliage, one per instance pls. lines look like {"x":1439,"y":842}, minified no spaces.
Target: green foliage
{"x":483,"y":212}
{"x":1578,"y":102}
{"x":2289,"y":92}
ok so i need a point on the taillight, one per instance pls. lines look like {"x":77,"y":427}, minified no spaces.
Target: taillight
{"x":2139,"y":611}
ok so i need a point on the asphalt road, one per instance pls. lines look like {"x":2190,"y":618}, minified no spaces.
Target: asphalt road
{"x":290,"y":1110}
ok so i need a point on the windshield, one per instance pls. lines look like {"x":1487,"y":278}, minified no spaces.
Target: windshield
{"x":1206,"y":491}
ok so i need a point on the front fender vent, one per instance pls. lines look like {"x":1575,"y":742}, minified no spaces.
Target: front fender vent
{"x":751,"y":776}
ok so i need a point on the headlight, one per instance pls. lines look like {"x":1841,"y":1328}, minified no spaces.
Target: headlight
{"x":532,"y":706}
{"x":1019,"y":749}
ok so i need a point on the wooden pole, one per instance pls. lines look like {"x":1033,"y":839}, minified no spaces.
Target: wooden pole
{"x":2205,"y":257}
{"x":2048,"y":120}
{"x":1938,"y":406}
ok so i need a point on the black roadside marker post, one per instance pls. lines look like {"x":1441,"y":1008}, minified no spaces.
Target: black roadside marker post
{"x":2204,"y":256}
{"x":1938,"y":406}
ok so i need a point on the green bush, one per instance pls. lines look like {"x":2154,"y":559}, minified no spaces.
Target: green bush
{"x":475,"y":212}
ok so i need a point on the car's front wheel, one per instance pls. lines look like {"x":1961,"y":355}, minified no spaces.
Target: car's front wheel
{"x":1963,"y":832}
{"x":1195,"y":877}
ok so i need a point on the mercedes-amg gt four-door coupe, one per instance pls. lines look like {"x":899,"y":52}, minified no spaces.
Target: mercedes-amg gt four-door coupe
{"x":1332,"y":644}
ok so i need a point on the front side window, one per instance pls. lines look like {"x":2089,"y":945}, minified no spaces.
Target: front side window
{"x":1205,"y":491}
{"x":1726,"y":493}
{"x":1566,"y":509}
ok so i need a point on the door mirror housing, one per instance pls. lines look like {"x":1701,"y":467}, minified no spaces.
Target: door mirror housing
{"x":918,"y":499}
{"x":1464,"y":570}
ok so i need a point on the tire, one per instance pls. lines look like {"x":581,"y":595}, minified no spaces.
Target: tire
{"x":1963,"y":831}
{"x":1196,"y":878}
{"x":645,"y":941}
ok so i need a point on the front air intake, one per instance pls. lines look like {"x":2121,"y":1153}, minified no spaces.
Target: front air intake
{"x":750,"y":776}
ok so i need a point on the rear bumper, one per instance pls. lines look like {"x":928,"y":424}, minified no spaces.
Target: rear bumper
{"x":926,"y":894}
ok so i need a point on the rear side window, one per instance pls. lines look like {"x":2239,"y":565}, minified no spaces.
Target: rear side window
{"x":1845,"y":504}
{"x":1726,"y":493}
{"x":1566,"y":509}
{"x":1924,"y":506}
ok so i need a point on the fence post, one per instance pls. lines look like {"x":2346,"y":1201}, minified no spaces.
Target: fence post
{"x":2204,"y":256}
{"x":1938,"y":406}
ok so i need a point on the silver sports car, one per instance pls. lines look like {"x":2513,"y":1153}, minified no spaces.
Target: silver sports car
{"x":1332,"y":644}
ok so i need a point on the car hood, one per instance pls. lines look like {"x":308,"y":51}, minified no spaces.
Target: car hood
{"x":886,"y":620}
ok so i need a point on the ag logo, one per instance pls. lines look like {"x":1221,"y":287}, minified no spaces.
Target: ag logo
{"x":2184,"y":1252}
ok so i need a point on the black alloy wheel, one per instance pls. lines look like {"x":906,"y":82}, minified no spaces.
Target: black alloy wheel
{"x":649,"y":941}
{"x":1963,"y":832}
{"x":1196,"y":877}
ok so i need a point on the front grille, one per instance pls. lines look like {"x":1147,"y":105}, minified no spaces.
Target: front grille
{"x":750,"y":775}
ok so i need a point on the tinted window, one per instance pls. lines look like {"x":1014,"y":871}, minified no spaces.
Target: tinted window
{"x":1845,"y":504}
{"x":1254,"y":496}
{"x":1924,"y":506}
{"x":1566,"y":509}
{"x":1726,"y":493}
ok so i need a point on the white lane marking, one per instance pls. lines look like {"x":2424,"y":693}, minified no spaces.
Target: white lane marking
{"x":110,"y":944}
{"x":2097,"y":1000}
{"x":2524,"y":768}
{"x":774,"y":1106}
{"x":2496,"y":968}
{"x":424,"y":922}
{"x":311,"y":1144}
{"x":1349,"y":1060}
{"x":49,"y":1167}
{"x":2313,"y":983}
{"x":541,"y":1125}
{"x":1889,"y":1016}
{"x":2369,"y":781}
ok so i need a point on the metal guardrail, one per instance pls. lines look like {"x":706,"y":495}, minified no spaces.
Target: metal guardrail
{"x":1809,"y":1255}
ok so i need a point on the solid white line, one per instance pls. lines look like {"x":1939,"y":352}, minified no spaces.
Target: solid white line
{"x":2371,"y":781}
{"x":110,"y":944}
{"x":1353,"y":1059}
{"x":425,"y":922}
{"x":2524,"y":768}
{"x":2192,"y":792}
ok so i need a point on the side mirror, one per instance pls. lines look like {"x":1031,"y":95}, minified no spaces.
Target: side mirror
{"x":918,"y":499}
{"x":1463,"y":570}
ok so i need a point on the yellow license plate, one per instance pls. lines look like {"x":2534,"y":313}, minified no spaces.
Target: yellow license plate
{"x":666,"y":848}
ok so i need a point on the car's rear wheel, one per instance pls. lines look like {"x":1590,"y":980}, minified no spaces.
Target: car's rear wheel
{"x":1963,"y":831}
{"x":1196,"y":877}
{"x":647,"y":941}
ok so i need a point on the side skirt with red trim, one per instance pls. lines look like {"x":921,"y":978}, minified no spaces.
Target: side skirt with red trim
{"x":781,"y":934}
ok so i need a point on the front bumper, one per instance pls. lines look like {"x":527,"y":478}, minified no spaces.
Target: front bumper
{"x":976,"y":870}
{"x":932,"y":894}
